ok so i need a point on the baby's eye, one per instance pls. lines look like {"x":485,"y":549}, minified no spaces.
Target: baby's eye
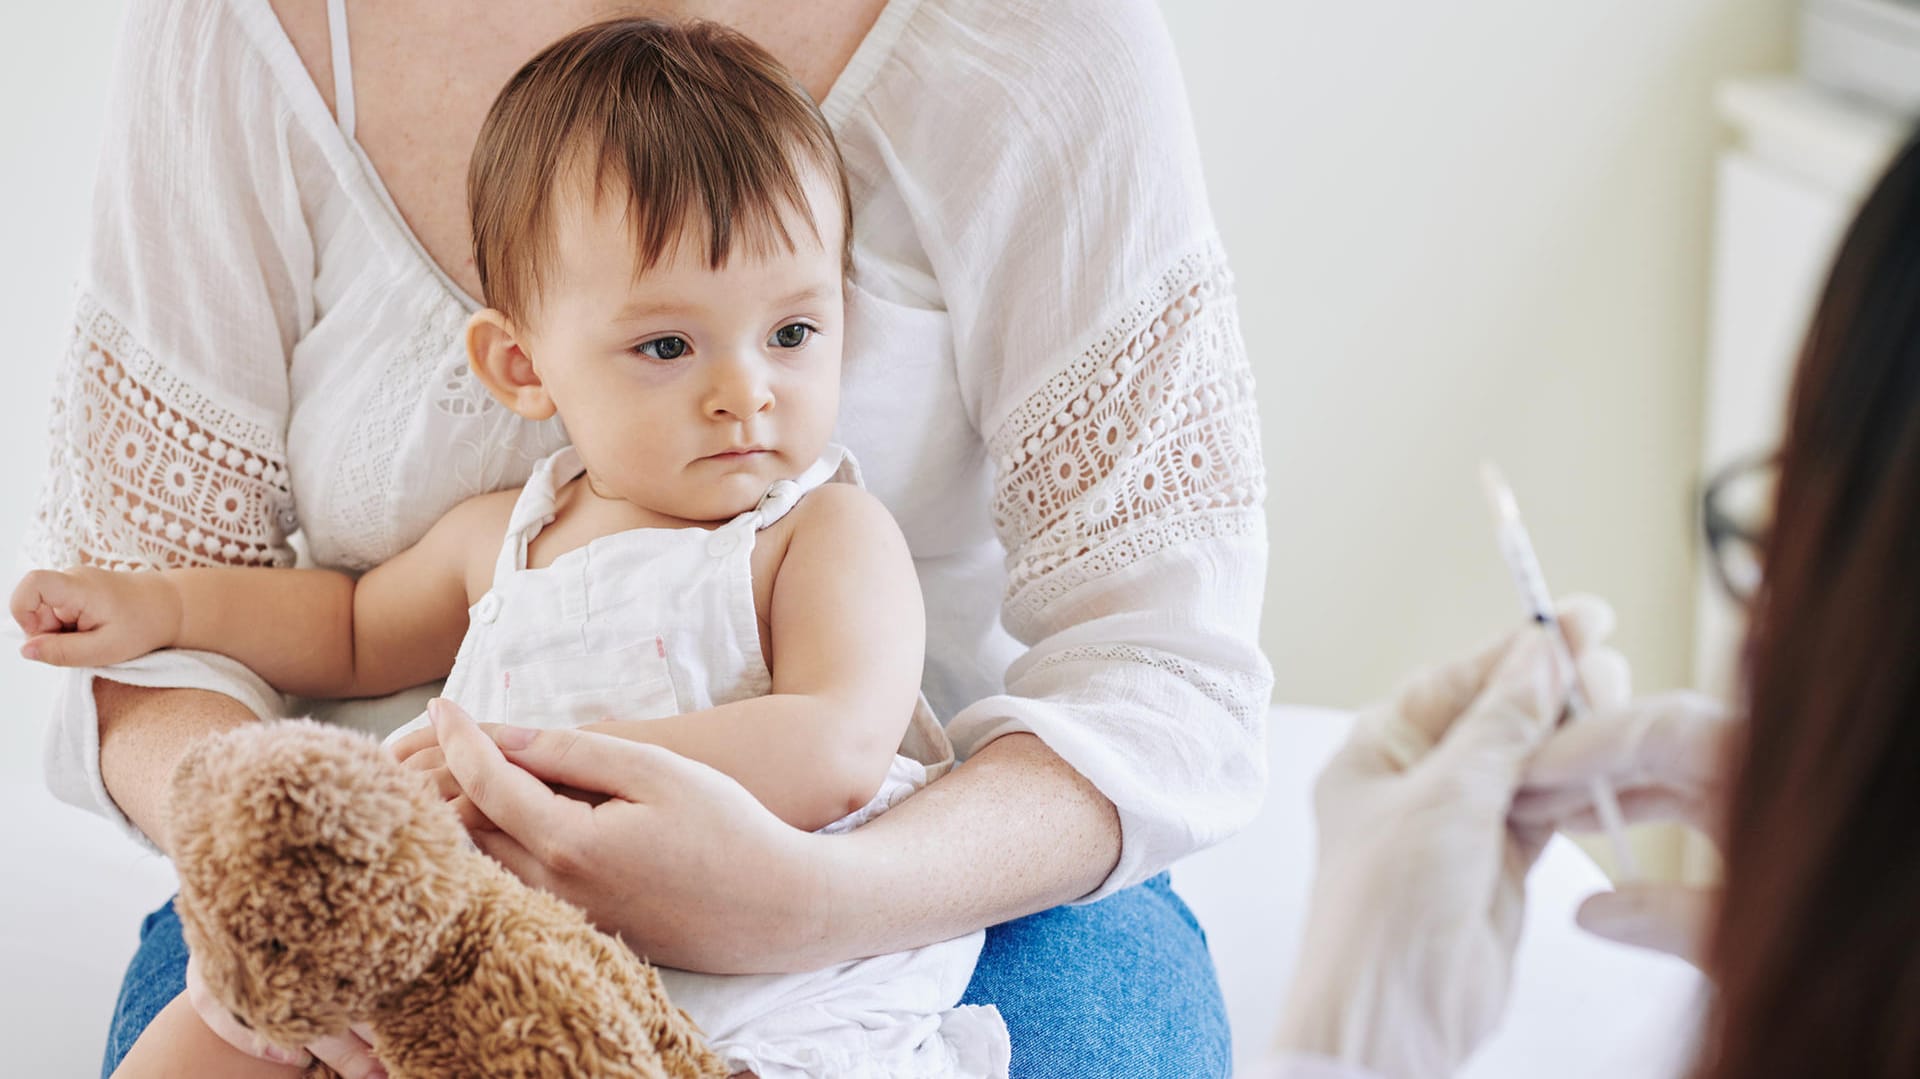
{"x":663,"y":348}
{"x":792,"y":335}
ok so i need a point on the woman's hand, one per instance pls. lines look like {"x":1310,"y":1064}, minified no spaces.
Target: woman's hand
{"x":677,"y":858}
{"x":1666,"y":757}
{"x":419,"y":751}
{"x":1419,"y":892}
{"x":349,"y":1053}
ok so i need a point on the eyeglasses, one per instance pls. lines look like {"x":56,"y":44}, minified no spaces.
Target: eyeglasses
{"x":1736,"y":508}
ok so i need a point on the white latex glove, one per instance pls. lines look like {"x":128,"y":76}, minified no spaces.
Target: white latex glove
{"x":1666,"y":756}
{"x":349,"y":1053}
{"x":1420,"y":886}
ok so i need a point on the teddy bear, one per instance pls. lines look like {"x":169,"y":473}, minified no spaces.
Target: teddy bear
{"x":322,"y":885}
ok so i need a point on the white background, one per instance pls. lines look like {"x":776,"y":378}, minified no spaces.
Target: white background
{"x":1466,"y":230}
{"x":1461,"y":230}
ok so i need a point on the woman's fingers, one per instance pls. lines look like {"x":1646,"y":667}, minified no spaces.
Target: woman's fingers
{"x":1677,"y":739}
{"x":443,"y":785}
{"x":1489,"y":745}
{"x":506,"y":794}
{"x":1607,"y":677}
{"x":349,"y":1054}
{"x":1572,"y":810}
{"x":514,"y":856}
{"x":589,"y":764}
{"x":470,"y":816}
{"x":1435,"y":698}
{"x":1664,"y":917}
{"x":1586,"y":620}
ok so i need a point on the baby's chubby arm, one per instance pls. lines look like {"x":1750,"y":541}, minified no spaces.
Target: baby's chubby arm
{"x":849,"y":638}
{"x":315,"y":633}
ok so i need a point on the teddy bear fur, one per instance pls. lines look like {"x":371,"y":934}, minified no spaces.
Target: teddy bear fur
{"x":322,"y":885}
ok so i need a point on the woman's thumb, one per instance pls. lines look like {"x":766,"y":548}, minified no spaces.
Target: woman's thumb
{"x":1519,"y":705}
{"x":1668,"y":918}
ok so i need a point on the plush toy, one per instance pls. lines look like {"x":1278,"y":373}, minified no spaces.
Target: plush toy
{"x":321,"y":886}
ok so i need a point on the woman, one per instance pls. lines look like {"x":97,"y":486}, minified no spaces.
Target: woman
{"x":1813,"y":795}
{"x":1045,"y":383}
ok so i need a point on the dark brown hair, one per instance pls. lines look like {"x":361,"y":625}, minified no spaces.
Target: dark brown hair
{"x":693,"y":119}
{"x":1817,"y":948}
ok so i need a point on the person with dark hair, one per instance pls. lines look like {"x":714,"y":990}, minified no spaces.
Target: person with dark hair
{"x":1809,"y":784}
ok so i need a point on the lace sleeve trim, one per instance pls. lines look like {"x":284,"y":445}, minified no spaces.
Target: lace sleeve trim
{"x":1148,"y":440}
{"x":148,"y":470}
{"x":1240,"y":695}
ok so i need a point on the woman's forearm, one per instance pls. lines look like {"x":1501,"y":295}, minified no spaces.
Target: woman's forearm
{"x":1012,"y":831}
{"x":143,"y":734}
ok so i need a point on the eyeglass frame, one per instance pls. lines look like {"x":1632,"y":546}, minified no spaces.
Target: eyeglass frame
{"x":1720,"y":528}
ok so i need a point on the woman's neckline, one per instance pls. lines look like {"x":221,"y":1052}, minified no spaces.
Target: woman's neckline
{"x":855,"y":78}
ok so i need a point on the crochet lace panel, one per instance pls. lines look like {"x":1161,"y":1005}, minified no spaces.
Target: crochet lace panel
{"x":1148,"y":440}
{"x":147,"y":470}
{"x":1242,"y":696}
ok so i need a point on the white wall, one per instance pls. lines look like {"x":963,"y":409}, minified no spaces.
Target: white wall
{"x":1469,"y":230}
{"x":71,"y":891}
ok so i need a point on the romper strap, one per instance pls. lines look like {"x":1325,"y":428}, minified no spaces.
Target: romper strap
{"x":836,"y":463}
{"x":534,"y":510}
{"x":342,"y":66}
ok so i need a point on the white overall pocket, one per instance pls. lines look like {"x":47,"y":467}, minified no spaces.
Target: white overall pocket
{"x":568,"y":691}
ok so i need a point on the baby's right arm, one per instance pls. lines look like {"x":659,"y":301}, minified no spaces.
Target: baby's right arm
{"x":314,"y":633}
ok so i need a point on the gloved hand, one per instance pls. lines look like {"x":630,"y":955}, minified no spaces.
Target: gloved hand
{"x":1420,"y":886}
{"x":1667,"y":757}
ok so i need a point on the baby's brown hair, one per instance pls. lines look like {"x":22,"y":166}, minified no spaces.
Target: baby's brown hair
{"x":693,"y":118}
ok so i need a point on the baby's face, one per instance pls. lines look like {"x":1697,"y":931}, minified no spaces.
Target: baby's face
{"x":687,"y":390}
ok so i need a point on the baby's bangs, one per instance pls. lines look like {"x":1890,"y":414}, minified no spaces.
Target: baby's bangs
{"x":692,"y":123}
{"x":727,"y":194}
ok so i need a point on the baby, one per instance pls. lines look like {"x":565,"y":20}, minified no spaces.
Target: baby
{"x":661,"y":226}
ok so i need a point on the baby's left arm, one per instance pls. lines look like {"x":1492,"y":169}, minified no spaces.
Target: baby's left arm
{"x":849,"y":639}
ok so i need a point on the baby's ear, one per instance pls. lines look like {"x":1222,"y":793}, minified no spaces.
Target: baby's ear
{"x":500,"y":362}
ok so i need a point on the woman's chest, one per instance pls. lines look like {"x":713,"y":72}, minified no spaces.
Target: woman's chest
{"x":425,"y":74}
{"x":388,"y":430}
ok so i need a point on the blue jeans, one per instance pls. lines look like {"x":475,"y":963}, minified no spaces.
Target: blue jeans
{"x":1123,"y":987}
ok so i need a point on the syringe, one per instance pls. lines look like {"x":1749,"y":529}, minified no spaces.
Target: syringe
{"x":1516,"y":548}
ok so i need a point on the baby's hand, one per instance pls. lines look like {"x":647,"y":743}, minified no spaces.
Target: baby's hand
{"x":420,"y":751}
{"x":89,"y":617}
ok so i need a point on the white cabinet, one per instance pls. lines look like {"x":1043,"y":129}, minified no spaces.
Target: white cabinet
{"x":1787,"y":189}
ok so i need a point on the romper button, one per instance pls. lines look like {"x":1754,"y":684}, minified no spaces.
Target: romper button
{"x":722,"y":544}
{"x":488,"y":608}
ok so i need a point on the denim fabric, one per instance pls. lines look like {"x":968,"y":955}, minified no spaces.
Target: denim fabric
{"x":157,"y":974}
{"x":1122,"y":988}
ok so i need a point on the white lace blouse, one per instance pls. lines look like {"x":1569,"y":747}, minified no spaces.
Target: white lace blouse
{"x":1044,"y":379}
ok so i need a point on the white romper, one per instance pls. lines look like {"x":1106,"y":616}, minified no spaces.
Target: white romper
{"x":657,"y":621}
